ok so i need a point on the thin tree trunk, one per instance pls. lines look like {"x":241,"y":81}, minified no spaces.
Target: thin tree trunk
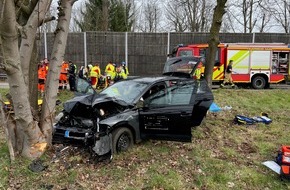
{"x":219,"y":11}
{"x":51,"y":86}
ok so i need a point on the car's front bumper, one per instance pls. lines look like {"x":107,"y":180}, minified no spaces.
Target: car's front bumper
{"x":74,"y":136}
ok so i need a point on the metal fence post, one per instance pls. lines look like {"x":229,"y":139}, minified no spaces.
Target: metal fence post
{"x":253,"y":38}
{"x":85,"y":48}
{"x":45,"y":42}
{"x":168,"y":43}
{"x":126,"y":48}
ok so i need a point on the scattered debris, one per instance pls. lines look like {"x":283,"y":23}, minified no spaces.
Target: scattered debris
{"x":214,"y":108}
{"x":227,"y":108}
{"x":273,"y":166}
{"x":240,"y":119}
{"x":281,"y":165}
{"x":37,"y":166}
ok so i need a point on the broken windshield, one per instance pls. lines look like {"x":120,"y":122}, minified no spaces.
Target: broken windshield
{"x":126,"y":90}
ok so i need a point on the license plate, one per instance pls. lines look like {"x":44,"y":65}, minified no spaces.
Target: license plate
{"x":66,"y":134}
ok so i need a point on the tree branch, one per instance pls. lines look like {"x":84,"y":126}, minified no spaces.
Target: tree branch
{"x":48,"y":19}
{"x":24,"y":8}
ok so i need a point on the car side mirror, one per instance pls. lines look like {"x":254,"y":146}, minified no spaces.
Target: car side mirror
{"x":140,"y":103}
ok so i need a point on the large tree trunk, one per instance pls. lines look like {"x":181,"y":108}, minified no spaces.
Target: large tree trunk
{"x":32,"y":135}
{"x":30,"y":140}
{"x":51,"y":86}
{"x":29,"y":33}
{"x":219,"y":11}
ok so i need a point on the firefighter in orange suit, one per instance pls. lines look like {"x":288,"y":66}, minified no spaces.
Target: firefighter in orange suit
{"x":95,"y":74}
{"x":110,"y":70}
{"x":63,"y":76}
{"x":41,"y":77}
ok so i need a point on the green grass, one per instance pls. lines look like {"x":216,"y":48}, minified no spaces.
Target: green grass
{"x":221,"y":156}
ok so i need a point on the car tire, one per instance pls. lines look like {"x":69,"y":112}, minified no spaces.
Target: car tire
{"x":122,"y":139}
{"x":259,"y":82}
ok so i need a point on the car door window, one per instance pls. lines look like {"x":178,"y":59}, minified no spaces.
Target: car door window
{"x":179,"y":94}
{"x":154,"y":91}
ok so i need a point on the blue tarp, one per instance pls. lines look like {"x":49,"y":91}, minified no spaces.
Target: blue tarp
{"x":214,"y":108}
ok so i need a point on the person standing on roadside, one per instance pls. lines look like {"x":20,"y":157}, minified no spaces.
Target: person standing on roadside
{"x":41,"y":77}
{"x":72,"y":76}
{"x":228,"y":75}
{"x":95,"y":74}
{"x":110,"y":70}
{"x":63,"y":76}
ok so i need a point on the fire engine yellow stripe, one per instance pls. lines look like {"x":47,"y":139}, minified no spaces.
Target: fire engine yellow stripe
{"x":242,"y":67}
{"x":260,"y":67}
{"x":239,"y":56}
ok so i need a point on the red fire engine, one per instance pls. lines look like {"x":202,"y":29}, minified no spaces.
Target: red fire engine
{"x":258,"y":64}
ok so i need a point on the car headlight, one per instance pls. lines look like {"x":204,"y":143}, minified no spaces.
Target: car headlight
{"x":58,"y":117}
{"x":102,"y":112}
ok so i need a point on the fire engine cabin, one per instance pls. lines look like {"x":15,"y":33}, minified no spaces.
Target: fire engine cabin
{"x":258,"y":64}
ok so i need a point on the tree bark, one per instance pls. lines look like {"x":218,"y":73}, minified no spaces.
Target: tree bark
{"x":51,"y":86}
{"x":29,"y":33}
{"x":8,"y":133}
{"x":33,"y":144}
{"x":219,"y":11}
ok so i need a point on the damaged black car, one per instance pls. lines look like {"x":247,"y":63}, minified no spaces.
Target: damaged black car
{"x":133,"y":110}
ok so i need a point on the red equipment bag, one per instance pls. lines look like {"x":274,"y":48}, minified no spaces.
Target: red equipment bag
{"x":283,"y":159}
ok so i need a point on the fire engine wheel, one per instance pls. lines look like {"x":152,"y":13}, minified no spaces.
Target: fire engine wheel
{"x":259,"y":82}
{"x":122,"y":139}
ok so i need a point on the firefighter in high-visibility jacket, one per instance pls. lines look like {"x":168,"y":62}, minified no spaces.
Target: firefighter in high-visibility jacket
{"x":119,"y":74}
{"x":198,"y":71}
{"x":110,"y":70}
{"x":63,"y":75}
{"x":125,"y":68}
{"x":95,"y":74}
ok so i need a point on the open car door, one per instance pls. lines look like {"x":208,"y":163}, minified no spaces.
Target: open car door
{"x":168,"y":114}
{"x":83,"y":87}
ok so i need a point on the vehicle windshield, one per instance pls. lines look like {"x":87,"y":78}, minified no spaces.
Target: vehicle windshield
{"x":127,"y":90}
{"x":180,"y":65}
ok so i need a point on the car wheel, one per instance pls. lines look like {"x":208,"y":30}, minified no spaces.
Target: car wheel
{"x":122,"y":139}
{"x":259,"y":82}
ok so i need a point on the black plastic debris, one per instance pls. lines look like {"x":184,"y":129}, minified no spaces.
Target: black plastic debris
{"x":46,"y":186}
{"x":37,"y":166}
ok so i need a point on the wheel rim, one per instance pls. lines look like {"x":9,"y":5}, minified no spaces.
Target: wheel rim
{"x":259,"y":83}
{"x":123,"y":142}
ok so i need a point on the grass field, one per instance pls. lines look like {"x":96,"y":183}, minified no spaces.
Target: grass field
{"x":222,"y":155}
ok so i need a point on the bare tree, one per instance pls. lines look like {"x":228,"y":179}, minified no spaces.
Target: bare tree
{"x":264,"y":18}
{"x":219,"y":11}
{"x":198,"y":14}
{"x":21,"y":21}
{"x":280,"y":11}
{"x":248,"y":16}
{"x":150,"y":17}
{"x":176,"y":16}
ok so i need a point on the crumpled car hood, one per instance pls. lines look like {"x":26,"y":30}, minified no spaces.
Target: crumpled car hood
{"x":90,"y":100}
{"x":89,"y":106}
